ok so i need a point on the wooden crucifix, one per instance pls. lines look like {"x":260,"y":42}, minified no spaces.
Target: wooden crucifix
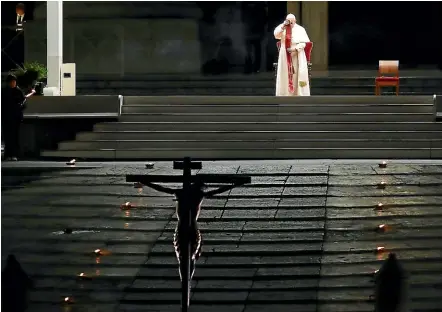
{"x":187,"y":239}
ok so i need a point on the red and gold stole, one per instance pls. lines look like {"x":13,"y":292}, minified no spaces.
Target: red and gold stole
{"x":288,"y":44}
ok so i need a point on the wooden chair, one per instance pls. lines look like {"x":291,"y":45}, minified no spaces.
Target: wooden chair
{"x":308,"y":54}
{"x":390,"y":68}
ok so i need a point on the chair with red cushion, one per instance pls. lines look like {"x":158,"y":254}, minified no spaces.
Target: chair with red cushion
{"x":388,"y":76}
{"x":308,"y":54}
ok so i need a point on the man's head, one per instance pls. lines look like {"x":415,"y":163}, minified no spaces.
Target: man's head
{"x":11,"y":80}
{"x":291,"y":18}
{"x":20,"y":9}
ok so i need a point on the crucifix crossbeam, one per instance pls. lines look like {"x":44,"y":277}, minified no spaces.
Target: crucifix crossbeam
{"x":204,"y":178}
{"x":188,"y":238}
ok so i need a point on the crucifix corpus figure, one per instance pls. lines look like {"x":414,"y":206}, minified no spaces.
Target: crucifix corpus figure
{"x":190,"y":200}
{"x":292,"y":75}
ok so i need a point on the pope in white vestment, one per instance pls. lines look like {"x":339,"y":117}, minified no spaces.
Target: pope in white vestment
{"x":292,"y":74}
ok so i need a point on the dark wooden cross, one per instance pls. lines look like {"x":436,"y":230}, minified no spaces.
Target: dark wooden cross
{"x":187,"y":239}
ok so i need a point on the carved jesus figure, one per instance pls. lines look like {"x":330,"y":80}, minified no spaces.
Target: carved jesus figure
{"x":192,"y":201}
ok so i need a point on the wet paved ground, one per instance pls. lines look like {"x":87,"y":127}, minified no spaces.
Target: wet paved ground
{"x":300,"y":238}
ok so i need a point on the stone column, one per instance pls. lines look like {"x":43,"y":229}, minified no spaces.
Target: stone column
{"x":315,"y":21}
{"x":294,"y":7}
{"x":54,"y":43}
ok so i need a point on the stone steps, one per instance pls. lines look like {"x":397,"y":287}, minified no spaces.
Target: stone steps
{"x":248,"y":118}
{"x":254,"y":135}
{"x":263,"y":128}
{"x":263,"y":250}
{"x":284,"y":103}
{"x":268,"y":126}
{"x":251,"y":91}
{"x":279,"y":110}
{"x":262,"y":84}
{"x":216,"y":154}
{"x":140,"y":145}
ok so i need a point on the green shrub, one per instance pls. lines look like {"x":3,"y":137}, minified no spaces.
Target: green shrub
{"x":30,"y":75}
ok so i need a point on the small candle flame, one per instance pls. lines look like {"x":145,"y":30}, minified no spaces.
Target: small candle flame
{"x":126,"y":205}
{"x":381,"y":228}
{"x":380,"y":249}
{"x":83,"y":276}
{"x":68,"y":300}
{"x":382,"y":184}
{"x":71,"y":162}
{"x":379,"y":206}
{"x":383,"y":164}
{"x":101,"y":252}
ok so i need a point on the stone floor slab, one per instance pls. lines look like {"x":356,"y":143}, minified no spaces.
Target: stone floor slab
{"x":301,"y":232}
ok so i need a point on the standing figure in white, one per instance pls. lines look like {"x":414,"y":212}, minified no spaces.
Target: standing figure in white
{"x":292,"y":75}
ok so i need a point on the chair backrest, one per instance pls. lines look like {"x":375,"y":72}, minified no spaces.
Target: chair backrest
{"x":308,"y":49}
{"x":390,"y":68}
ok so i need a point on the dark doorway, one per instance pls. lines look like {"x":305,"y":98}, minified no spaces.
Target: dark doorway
{"x":362,"y":33}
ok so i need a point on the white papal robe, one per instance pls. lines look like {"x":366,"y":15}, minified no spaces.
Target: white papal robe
{"x":300,"y":77}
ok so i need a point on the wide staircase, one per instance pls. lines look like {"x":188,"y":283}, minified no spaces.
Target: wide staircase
{"x":229,"y":127}
{"x":263,"y":84}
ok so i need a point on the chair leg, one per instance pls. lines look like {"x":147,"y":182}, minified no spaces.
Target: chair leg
{"x":397,"y":90}
{"x":377,"y":90}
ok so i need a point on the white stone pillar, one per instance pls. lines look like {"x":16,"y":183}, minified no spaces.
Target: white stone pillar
{"x":315,"y":21}
{"x":54,"y":43}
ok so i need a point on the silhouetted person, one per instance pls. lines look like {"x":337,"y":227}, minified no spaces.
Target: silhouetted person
{"x":15,"y":286}
{"x":254,"y":17}
{"x":391,"y":292}
{"x":13,"y":104}
{"x":189,"y":201}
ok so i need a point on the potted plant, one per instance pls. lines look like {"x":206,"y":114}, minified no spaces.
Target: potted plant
{"x":31,"y":76}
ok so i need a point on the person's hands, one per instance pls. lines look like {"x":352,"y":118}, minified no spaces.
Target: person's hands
{"x":299,"y":47}
{"x":286,"y":22}
{"x":292,"y":50}
{"x":31,"y":93}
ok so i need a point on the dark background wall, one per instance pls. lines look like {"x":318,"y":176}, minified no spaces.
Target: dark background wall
{"x":363,"y":32}
{"x":360,"y":33}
